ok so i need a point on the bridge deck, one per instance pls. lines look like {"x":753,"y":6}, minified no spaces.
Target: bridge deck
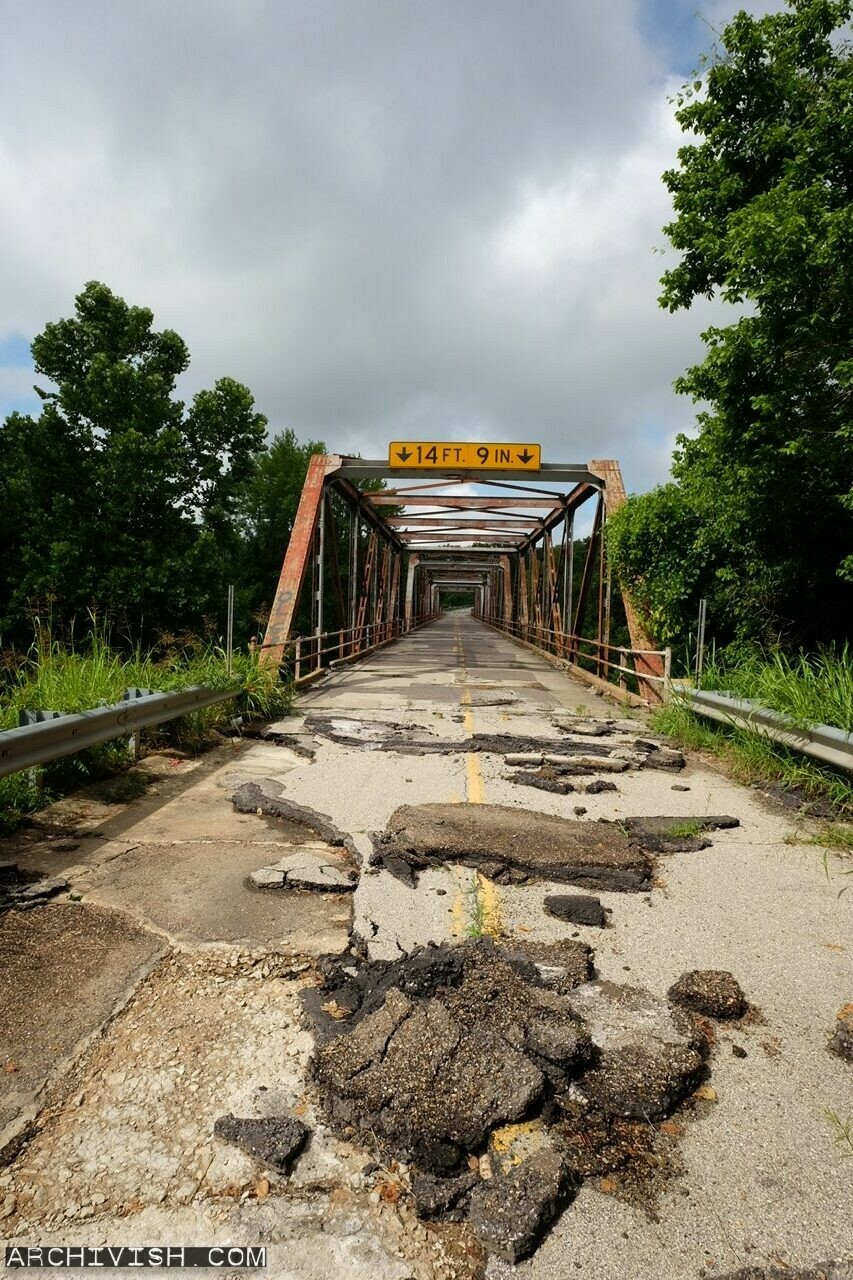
{"x":125,"y":1151}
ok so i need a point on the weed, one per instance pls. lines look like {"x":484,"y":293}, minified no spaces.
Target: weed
{"x":829,"y":835}
{"x":811,"y":688}
{"x":834,"y":835}
{"x":483,"y":910}
{"x":842,"y":1132}
{"x":476,"y":910}
{"x":688,"y":828}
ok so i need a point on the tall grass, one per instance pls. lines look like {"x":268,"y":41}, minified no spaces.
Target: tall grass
{"x":811,"y":688}
{"x":751,"y":758}
{"x":55,"y":677}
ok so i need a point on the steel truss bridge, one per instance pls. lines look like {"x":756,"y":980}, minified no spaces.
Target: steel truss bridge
{"x":374,"y":549}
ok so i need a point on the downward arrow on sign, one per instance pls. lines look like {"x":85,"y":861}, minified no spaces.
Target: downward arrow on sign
{"x":404,"y":455}
{"x":525,"y":457}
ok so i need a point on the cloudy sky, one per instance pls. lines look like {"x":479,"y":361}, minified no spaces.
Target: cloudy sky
{"x":390,"y":218}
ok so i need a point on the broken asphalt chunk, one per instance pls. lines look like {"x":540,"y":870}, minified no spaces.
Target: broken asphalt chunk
{"x":661,"y":757}
{"x":576,"y":908}
{"x":561,"y":965}
{"x":585,"y":726}
{"x":598,"y":785}
{"x":604,"y":764}
{"x":716,"y":993}
{"x":23,"y":891}
{"x":445,"y":1197}
{"x":513,"y":1210}
{"x":413,"y":1077}
{"x":676,"y":834}
{"x":307,"y":868}
{"x":277,"y":1140}
{"x":593,"y":854}
{"x":642,"y":1082}
{"x":650,"y":1056}
{"x":505,"y":1047}
{"x":541,"y":781}
{"x":265,"y":797}
{"x":842,"y":1040}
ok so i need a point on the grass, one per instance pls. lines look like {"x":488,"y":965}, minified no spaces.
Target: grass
{"x":76,"y":678}
{"x":751,"y":758}
{"x":681,"y":830}
{"x":811,"y":688}
{"x":829,"y":835}
{"x":842,"y":1132}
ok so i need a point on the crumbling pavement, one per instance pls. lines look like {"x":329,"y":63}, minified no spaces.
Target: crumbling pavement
{"x":501,"y":1075}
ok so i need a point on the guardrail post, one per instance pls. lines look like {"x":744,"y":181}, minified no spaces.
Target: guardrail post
{"x":623,"y":662}
{"x":297,"y":660}
{"x":667,"y":669}
{"x":35,"y":776}
{"x":130,"y":695}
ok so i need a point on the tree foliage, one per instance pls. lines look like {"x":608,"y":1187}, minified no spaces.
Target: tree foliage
{"x":122,"y":501}
{"x":761,"y":516}
{"x":658,"y":543}
{"x":270,"y":500}
{"x":118,"y":495}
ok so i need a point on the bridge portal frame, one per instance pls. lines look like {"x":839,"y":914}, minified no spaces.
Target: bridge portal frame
{"x":515,"y":547}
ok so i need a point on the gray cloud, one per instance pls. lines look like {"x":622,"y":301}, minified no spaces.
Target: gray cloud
{"x":387,"y":218}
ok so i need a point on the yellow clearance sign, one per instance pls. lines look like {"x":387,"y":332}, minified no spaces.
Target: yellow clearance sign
{"x":447,"y":456}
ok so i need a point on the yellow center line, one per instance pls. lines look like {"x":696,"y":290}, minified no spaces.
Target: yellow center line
{"x":486,"y":894}
{"x":491,"y":899}
{"x":458,"y":922}
{"x":476,"y":787}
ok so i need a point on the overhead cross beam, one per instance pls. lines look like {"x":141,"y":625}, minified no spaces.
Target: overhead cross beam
{"x":377,"y":556}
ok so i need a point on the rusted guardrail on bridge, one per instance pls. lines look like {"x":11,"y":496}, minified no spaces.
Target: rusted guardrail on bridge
{"x":310,"y":656}
{"x":649,"y":667}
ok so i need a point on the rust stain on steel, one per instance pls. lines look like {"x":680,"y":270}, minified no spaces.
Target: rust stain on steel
{"x":466,"y":502}
{"x":615,"y":497}
{"x":457,"y":535}
{"x":296,"y":560}
{"x":449,"y":522}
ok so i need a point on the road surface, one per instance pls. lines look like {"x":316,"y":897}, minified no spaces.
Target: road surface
{"x":163,"y":990}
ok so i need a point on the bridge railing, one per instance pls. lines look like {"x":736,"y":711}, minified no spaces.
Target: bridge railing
{"x":308,"y":656}
{"x":616,"y":664}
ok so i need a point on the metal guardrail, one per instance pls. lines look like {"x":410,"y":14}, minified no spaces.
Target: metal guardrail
{"x":820,"y":741}
{"x":34,"y":744}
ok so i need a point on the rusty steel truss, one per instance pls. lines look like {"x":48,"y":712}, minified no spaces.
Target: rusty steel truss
{"x":367,"y":563}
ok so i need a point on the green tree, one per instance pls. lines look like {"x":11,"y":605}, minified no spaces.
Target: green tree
{"x":659,"y":544}
{"x":118,"y":496}
{"x":270,"y":502}
{"x":763,"y":219}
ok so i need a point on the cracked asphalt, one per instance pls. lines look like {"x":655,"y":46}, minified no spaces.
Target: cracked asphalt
{"x":192,"y":1009}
